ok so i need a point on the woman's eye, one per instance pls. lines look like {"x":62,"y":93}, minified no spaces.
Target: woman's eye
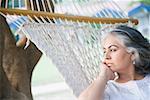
{"x":113,"y":50}
{"x":104,"y":52}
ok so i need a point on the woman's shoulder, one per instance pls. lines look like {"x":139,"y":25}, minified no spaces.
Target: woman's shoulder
{"x":148,"y":76}
{"x":127,"y":89}
{"x":113,"y":87}
{"x":145,"y":81}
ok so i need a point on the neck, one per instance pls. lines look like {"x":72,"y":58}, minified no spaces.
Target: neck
{"x":128,"y":77}
{"x":128,"y":74}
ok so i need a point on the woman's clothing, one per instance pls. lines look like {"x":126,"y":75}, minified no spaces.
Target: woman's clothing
{"x":131,"y":90}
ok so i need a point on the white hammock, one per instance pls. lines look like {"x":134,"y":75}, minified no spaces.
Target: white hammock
{"x":72,"y":42}
{"x":74,"y":50}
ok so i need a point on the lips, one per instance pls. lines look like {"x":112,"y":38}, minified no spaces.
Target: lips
{"x":109,"y":64}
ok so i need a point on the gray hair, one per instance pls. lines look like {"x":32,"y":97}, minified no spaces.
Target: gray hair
{"x":136,"y":44}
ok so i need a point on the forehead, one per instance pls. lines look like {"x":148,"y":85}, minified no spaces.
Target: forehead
{"x":113,"y":41}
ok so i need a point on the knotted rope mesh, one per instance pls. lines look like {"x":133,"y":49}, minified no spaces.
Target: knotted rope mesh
{"x":73,"y":46}
{"x":74,"y":49}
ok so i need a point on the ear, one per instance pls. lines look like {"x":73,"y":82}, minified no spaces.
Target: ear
{"x":133,"y":56}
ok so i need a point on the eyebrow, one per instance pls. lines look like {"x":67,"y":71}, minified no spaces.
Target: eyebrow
{"x":111,"y":46}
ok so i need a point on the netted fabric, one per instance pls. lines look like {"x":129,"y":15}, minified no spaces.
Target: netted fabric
{"x":73,"y":45}
{"x":74,"y":49}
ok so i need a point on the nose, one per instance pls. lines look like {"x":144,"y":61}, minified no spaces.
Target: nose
{"x":107,"y":56}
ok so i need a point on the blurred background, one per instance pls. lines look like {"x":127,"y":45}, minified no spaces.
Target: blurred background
{"x":48,"y":83}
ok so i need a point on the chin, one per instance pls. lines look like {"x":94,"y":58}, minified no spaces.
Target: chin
{"x":114,"y":70}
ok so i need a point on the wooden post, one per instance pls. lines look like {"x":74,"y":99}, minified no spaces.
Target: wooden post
{"x":68,"y":17}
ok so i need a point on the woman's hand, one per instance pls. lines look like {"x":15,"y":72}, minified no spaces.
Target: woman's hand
{"x":106,"y":72}
{"x":95,"y":91}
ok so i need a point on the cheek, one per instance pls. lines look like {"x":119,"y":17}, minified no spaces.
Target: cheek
{"x":121,"y":59}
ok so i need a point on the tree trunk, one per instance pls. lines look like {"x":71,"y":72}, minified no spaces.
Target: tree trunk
{"x":17,"y":63}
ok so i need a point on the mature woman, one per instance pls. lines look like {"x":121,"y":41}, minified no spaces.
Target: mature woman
{"x":127,"y":53}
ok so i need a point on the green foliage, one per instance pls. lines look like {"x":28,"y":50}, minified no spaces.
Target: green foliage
{"x":146,"y":2}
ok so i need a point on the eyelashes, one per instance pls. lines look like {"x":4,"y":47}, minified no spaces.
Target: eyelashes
{"x":110,"y":50}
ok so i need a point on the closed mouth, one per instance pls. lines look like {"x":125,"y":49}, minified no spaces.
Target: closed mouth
{"x":109,"y":64}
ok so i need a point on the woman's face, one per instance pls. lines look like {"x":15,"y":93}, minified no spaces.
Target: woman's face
{"x":116,"y":56}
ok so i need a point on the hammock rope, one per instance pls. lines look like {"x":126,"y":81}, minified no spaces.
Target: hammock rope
{"x":76,"y":54}
{"x":71,"y":35}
